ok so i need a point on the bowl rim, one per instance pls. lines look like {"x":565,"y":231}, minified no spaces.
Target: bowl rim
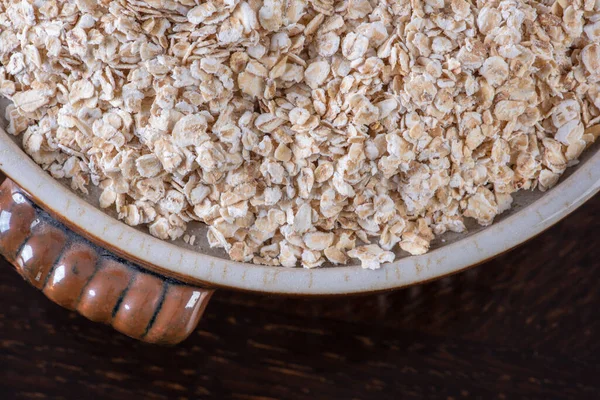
{"x":195,"y":267}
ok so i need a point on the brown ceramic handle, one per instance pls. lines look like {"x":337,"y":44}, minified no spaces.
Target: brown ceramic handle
{"x":81,"y":276}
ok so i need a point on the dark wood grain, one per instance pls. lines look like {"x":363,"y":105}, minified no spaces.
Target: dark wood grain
{"x":525,"y":325}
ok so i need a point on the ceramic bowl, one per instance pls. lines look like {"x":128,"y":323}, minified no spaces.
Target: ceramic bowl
{"x":86,"y":260}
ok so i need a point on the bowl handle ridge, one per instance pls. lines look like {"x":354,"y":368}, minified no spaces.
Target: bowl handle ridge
{"x":82,"y":276}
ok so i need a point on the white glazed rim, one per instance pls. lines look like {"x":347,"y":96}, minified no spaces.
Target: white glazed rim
{"x":194,"y":266}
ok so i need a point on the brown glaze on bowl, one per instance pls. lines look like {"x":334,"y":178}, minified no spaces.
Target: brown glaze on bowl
{"x":78,"y":275}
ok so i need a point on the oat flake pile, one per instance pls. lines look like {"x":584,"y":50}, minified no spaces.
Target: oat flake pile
{"x":304,"y":131}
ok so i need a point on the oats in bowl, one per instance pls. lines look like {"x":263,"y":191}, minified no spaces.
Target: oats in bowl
{"x":299,"y":131}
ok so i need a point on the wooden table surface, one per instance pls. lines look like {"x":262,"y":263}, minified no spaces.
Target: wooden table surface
{"x":525,"y":325}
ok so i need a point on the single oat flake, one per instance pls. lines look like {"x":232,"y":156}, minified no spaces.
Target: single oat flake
{"x":304,"y":131}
